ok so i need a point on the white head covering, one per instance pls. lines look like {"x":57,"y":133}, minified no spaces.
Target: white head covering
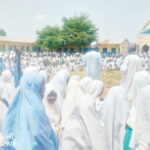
{"x":130,"y":66}
{"x":84,"y":83}
{"x":60,"y":81}
{"x":114,"y":114}
{"x":140,"y":79}
{"x":7,"y":89}
{"x":84,"y":130}
{"x":142,"y":130}
{"x":52,"y":110}
{"x":71,"y":101}
{"x":93,"y":44}
{"x":95,"y":88}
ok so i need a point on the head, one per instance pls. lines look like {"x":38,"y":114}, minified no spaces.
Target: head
{"x":52,"y":97}
{"x":95,"y":88}
{"x":84,"y":83}
{"x":6,"y":76}
{"x":33,"y":82}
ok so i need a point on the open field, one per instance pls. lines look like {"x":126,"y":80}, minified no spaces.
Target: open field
{"x":110,"y":78}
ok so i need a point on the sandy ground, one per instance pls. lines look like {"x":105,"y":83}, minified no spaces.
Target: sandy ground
{"x":110,"y":78}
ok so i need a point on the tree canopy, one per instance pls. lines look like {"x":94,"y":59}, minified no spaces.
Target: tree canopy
{"x":2,"y":32}
{"x":49,"y":38}
{"x":76,"y":31}
{"x":79,"y":31}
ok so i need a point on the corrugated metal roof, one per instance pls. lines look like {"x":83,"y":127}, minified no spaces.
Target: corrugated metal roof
{"x":146,"y":32}
{"x":114,"y":41}
{"x":17,"y":40}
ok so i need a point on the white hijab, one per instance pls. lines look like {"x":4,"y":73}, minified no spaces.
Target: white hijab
{"x":84,"y":82}
{"x":52,"y":110}
{"x":85,"y":130}
{"x":131,"y":64}
{"x":142,"y":129}
{"x":140,"y":79}
{"x":60,"y":81}
{"x":7,"y":89}
{"x":114,"y":114}
{"x":72,"y":99}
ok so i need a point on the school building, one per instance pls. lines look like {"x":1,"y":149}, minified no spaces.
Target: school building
{"x":9,"y":43}
{"x":105,"y":46}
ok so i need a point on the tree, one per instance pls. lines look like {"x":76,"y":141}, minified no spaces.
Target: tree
{"x":2,"y":32}
{"x":49,"y":38}
{"x":78,"y":31}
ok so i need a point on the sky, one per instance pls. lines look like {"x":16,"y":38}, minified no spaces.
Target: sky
{"x":115,"y":18}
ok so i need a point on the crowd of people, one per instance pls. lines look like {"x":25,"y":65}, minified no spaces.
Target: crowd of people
{"x":40,"y":112}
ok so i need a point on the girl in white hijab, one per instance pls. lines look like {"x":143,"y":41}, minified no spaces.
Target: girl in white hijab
{"x":7,"y":89}
{"x":142,"y":129}
{"x":54,"y":97}
{"x":52,"y":109}
{"x":114,"y":114}
{"x":60,"y":81}
{"x":85,"y":130}
{"x":140,"y":80}
{"x":131,"y":64}
{"x":72,"y":95}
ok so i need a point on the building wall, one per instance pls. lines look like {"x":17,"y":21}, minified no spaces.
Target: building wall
{"x":124,"y":46}
{"x":7,"y":46}
{"x":143,"y":39}
{"x":109,"y":47}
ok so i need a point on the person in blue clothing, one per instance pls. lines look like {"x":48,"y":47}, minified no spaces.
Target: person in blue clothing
{"x":2,"y":66}
{"x":26,"y":126}
{"x":93,"y":62}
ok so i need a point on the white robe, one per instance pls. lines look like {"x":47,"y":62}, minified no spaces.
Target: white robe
{"x":114,"y":114}
{"x":7,"y":88}
{"x":85,"y":130}
{"x":130,"y":66}
{"x":142,"y":129}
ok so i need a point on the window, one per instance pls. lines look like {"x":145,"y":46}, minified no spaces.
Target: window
{"x":65,"y":49}
{"x":85,"y":50}
{"x":104,"y":50}
{"x":10,"y":47}
{"x":27,"y":48}
{"x":33,"y":48}
{"x":22,"y":48}
{"x":3,"y":47}
{"x":72,"y":50}
{"x":113,"y":50}
{"x":80,"y":50}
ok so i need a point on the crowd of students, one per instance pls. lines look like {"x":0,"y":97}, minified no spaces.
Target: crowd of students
{"x":68,"y":112}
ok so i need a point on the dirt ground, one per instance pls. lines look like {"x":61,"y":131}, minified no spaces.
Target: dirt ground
{"x":110,"y":78}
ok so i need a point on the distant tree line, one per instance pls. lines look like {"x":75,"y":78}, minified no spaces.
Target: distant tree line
{"x":77,"y":31}
{"x":2,"y":32}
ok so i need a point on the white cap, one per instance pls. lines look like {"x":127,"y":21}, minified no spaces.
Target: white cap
{"x":93,"y":44}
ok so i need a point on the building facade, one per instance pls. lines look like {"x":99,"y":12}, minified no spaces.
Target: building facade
{"x":8,"y":44}
{"x":143,"y":39}
{"x":105,"y":46}
{"x":113,"y":46}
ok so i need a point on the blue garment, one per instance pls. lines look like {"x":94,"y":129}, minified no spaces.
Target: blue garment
{"x":127,"y":139}
{"x":26,"y":123}
{"x":2,"y":67}
{"x":17,"y":75}
{"x":93,"y":61}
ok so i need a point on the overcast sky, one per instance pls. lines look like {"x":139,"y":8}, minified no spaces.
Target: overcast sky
{"x":114,"y":18}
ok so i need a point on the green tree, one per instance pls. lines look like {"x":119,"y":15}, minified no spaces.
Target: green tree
{"x":2,"y":32}
{"x":49,"y":38}
{"x":79,"y":31}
